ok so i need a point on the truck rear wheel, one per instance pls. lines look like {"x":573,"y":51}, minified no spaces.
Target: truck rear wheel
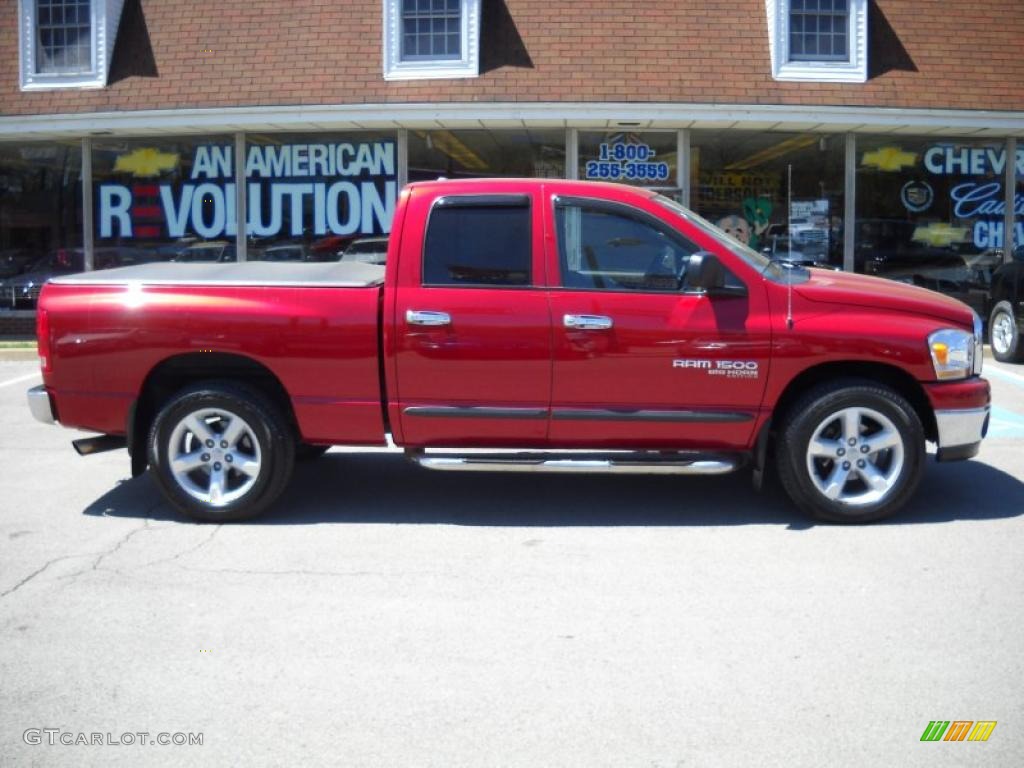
{"x":1003,"y":334}
{"x":850,"y":451}
{"x":221,"y":451}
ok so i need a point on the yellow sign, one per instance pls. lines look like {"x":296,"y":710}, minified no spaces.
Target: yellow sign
{"x":938,"y":235}
{"x":146,"y":162}
{"x":888,"y":159}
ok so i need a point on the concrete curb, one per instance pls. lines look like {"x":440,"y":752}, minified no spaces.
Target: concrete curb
{"x":20,"y":354}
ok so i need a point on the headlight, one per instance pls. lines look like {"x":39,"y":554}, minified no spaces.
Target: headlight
{"x":953,"y":353}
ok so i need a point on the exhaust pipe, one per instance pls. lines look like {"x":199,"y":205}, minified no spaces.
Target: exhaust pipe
{"x":99,"y":444}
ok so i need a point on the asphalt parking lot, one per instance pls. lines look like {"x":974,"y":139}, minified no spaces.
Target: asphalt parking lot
{"x":384,"y":615}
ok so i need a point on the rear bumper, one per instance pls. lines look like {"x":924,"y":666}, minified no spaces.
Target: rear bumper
{"x":40,"y":406}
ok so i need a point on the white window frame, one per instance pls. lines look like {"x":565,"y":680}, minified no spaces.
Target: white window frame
{"x":852,"y":70}
{"x":467,"y":65}
{"x":104,"y":16}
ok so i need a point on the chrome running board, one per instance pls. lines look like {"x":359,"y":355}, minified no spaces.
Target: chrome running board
{"x":622,"y":463}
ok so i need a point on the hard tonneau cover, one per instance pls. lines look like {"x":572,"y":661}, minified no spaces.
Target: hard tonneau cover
{"x":339,"y":274}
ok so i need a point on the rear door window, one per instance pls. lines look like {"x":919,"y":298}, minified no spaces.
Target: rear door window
{"x":478,"y":241}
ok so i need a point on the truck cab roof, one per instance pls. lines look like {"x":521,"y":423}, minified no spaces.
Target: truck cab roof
{"x":511,"y":185}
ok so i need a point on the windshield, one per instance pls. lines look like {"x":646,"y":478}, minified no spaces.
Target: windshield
{"x":745,"y":252}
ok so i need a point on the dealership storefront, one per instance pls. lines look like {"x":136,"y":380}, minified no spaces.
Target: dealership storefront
{"x":932,"y":208}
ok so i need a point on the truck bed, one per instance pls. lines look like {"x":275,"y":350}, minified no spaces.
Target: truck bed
{"x":313,"y":327}
{"x":330,"y":274}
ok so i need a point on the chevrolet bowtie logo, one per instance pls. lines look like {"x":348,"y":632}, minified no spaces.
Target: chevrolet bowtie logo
{"x":939,"y":235}
{"x":146,"y":162}
{"x":888,"y":159}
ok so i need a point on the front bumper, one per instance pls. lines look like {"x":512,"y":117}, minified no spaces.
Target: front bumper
{"x":961,"y":411}
{"x":960,"y":432}
{"x":40,"y":405}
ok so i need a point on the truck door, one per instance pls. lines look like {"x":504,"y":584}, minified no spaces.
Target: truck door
{"x":637,"y":362}
{"x":472,"y":329}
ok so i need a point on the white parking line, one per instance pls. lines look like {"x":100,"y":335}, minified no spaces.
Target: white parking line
{"x":999,"y":373}
{"x":20,"y":378}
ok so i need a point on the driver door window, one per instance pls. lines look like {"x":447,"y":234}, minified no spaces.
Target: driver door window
{"x":607,"y":248}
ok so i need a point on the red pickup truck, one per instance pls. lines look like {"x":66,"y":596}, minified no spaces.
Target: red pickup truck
{"x":518,"y":325}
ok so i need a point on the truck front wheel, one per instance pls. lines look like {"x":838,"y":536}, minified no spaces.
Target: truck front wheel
{"x":221,"y":451}
{"x":850,"y":451}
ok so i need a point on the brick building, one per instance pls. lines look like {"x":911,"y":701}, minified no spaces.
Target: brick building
{"x":873,"y":135}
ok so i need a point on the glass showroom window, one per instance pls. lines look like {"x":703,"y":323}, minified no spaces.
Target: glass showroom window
{"x":930,"y":212}
{"x":163,"y":199}
{"x":1018,"y":205}
{"x":320,"y":197}
{"x":465,"y":154}
{"x":781,"y":193}
{"x":40,"y":217}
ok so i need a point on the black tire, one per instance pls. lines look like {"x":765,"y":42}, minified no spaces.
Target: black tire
{"x":1007,"y":347}
{"x":899,"y":467}
{"x":310,"y":452}
{"x":266,"y":448}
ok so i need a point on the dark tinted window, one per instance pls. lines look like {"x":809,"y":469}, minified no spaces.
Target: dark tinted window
{"x":600,"y":248}
{"x":469,"y":244}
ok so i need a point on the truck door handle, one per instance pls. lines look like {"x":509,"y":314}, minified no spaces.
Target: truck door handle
{"x":424,"y":317}
{"x":587,"y":322}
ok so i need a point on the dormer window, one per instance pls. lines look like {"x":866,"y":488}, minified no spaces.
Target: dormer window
{"x":431,"y":39}
{"x":67,"y":43}
{"x":819,"y":30}
{"x":818,"y":40}
{"x":431,"y":30}
{"x":63,"y":37}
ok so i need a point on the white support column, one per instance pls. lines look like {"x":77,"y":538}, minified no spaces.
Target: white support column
{"x":572,"y":153}
{"x":402,"y":148}
{"x":850,"y":203}
{"x":683,"y":166}
{"x":241,"y":214}
{"x":88,"y":246}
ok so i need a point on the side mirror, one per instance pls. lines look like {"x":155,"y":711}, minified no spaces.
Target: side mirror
{"x":705,"y":274}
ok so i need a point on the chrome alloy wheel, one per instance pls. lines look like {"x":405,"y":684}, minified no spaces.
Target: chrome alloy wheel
{"x":1002,"y":333}
{"x":855,"y":456}
{"x":214,"y":456}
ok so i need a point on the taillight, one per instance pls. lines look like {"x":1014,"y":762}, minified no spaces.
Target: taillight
{"x":43,"y":339}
